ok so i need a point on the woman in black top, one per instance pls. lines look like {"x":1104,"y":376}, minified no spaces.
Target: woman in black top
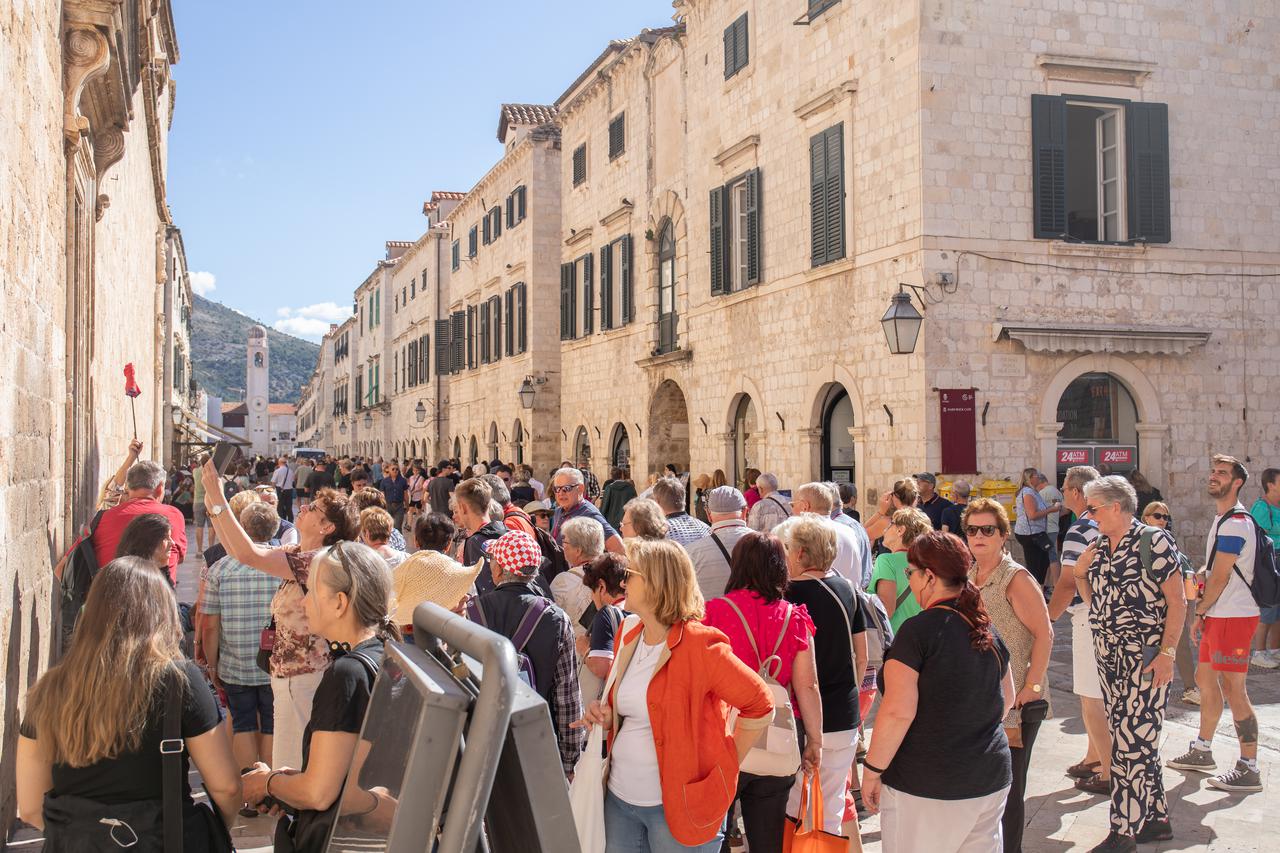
{"x":89,"y":747}
{"x":938,"y":766}
{"x":839,"y":649}
{"x":348,"y":603}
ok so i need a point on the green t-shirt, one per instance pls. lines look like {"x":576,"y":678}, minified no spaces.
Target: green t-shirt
{"x":1268,"y":518}
{"x":893,"y":567}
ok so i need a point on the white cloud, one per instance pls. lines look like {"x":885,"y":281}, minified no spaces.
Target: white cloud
{"x":310,"y":321}
{"x":203,"y":283}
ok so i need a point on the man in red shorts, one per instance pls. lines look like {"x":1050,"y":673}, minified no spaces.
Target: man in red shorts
{"x":1226,"y":618}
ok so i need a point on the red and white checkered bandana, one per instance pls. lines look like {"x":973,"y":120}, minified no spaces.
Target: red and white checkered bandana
{"x":516,"y":552}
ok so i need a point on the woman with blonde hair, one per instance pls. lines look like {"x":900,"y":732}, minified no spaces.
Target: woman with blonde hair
{"x":889,"y":579}
{"x":642,"y":518}
{"x":904,"y":494}
{"x":675,"y":680}
{"x":89,"y":748}
{"x":1031,"y":526}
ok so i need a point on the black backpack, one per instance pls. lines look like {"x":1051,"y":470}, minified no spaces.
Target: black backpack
{"x":77,"y":576}
{"x":1266,"y":574}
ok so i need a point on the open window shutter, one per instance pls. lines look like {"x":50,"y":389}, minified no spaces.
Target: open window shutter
{"x":1049,"y":165}
{"x":522,"y":309}
{"x":511,"y":210}
{"x":718,"y":283}
{"x":424,"y":358}
{"x":495,"y":308}
{"x":835,"y":192}
{"x":741,"y":50}
{"x":606,"y":285}
{"x":628,"y":298}
{"x":486,"y":334}
{"x":442,"y":347}
{"x":588,"y":294}
{"x":566,"y":302}
{"x":818,"y":199}
{"x":1147,"y":138}
{"x":753,"y":227}
{"x":471,"y":337}
{"x":730,"y":64}
{"x":407,"y":366}
{"x":508,"y":309}
{"x":458,"y":340}
{"x":520,"y":202}
{"x":496,"y":216}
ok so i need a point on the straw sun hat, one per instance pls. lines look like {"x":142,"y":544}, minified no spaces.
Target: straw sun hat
{"x":431,"y":576}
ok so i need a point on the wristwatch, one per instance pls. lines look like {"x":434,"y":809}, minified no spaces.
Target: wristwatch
{"x":217,"y":510}
{"x":1169,"y":651}
{"x":1037,"y":689}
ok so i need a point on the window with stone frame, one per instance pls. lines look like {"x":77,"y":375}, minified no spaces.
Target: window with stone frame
{"x":617,"y":136}
{"x":736,"y":48}
{"x":735,"y":234}
{"x":817,"y":7}
{"x":579,"y":164}
{"x":455,"y":259}
{"x":1100,"y":169}
{"x":495,"y":328}
{"x":616,"y":298}
{"x":473,"y":241}
{"x":667,"y":318}
{"x":826,"y":196}
{"x":485,"y":328}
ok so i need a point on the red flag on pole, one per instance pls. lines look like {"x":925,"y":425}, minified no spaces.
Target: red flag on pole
{"x":131,"y":388}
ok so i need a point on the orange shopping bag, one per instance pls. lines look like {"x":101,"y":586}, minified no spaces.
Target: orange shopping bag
{"x":806,"y":835}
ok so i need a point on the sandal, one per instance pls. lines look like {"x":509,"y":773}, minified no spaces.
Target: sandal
{"x":1095,"y":784}
{"x":1083,"y":770}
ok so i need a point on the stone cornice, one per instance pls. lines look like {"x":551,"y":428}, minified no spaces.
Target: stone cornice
{"x":1053,"y":337}
{"x":827,"y":99}
{"x":576,"y":237}
{"x":747,"y":143}
{"x":1090,"y":69}
{"x":622,"y":212}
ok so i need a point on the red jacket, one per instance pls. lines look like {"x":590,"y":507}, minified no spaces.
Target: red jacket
{"x":696,"y":680}
{"x":113,"y":522}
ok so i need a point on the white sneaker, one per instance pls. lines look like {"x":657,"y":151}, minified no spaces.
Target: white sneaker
{"x":1191,"y":696}
{"x":1264,"y":659}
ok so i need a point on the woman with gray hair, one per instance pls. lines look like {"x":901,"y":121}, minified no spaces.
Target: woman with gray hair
{"x":583,"y":542}
{"x":1137,"y":609}
{"x":642,"y":518}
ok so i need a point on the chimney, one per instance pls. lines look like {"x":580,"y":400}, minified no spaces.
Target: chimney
{"x":333,"y":327}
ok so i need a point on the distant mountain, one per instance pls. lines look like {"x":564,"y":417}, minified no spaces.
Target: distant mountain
{"x":218,"y":352}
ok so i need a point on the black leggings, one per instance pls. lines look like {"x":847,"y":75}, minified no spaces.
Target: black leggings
{"x":1035,"y":553}
{"x":764,"y":811}
{"x":1014,"y":820}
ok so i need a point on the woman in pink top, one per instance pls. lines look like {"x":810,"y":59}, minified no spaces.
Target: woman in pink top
{"x":757,"y":581}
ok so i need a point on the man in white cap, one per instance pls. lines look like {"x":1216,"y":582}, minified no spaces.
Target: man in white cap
{"x":540,"y":631}
{"x":727,"y":510}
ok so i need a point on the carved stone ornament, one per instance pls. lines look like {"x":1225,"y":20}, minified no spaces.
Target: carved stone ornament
{"x":88,"y":55}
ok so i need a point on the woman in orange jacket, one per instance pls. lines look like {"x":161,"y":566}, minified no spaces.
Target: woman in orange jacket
{"x":674,"y":762}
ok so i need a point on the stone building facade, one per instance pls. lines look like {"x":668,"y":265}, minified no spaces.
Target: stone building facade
{"x":87,"y":261}
{"x":1080,"y":203}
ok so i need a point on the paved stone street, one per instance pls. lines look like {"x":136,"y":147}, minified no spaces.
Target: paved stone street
{"x":1061,"y":818}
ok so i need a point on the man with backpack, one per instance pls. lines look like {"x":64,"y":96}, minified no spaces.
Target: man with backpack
{"x":1242,"y":576}
{"x":540,"y":631}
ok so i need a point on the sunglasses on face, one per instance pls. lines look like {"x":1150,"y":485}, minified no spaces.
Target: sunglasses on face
{"x":564,"y":490}
{"x":981,"y":529}
{"x":1160,"y":516}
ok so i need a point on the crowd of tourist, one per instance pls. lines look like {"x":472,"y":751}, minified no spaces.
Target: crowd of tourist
{"x":731,"y":643}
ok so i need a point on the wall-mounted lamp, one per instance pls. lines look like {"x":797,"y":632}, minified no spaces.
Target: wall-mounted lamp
{"x":901,"y":322}
{"x":527,"y":391}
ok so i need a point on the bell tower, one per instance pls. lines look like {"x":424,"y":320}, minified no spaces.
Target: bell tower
{"x":257,"y":394}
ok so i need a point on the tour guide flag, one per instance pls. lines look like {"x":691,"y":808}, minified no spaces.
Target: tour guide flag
{"x":131,"y":390}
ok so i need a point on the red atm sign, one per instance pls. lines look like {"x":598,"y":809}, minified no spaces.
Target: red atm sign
{"x":1075,"y":455}
{"x":1115,"y":455}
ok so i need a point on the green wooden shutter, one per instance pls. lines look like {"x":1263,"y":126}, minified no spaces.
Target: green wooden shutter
{"x":522,"y":309}
{"x":566,"y":302}
{"x":424,"y":357}
{"x":730,"y":63}
{"x":487,"y":236}
{"x":834,"y":191}
{"x":818,"y":199}
{"x":471,"y":242}
{"x":495,"y":309}
{"x":628,"y":297}
{"x":753,"y":226}
{"x":606,"y":286}
{"x":1147,"y":140}
{"x":1049,"y":165}
{"x":718,"y":265}
{"x":508,"y":303}
{"x":471,"y":337}
{"x":443,"y":347}
{"x":520,"y":203}
{"x":741,"y":49}
{"x":588,"y":294}
{"x":511,"y":210}
{"x":486,"y":329}
{"x":458,"y":341}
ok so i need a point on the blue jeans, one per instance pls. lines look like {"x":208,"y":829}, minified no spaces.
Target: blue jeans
{"x":642,"y":829}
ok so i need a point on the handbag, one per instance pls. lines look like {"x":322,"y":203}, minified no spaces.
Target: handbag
{"x":805,"y":834}
{"x":780,"y":753}
{"x":586,"y":791}
{"x":266,"y":644}
{"x":81,"y":825}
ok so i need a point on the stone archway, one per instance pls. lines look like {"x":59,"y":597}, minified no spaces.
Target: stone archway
{"x":1151,"y":428}
{"x":473,"y":451}
{"x":668,"y":428}
{"x":746,"y":437}
{"x":580,"y":449}
{"x":620,"y":447}
{"x":517,"y":442}
{"x":492,"y":449}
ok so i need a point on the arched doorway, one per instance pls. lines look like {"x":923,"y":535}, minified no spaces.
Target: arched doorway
{"x":473,"y":451}
{"x":581,"y":446}
{"x":668,"y":428}
{"x":837,"y":443}
{"x":493,"y":443}
{"x":517,"y":443}
{"x":457,"y":448}
{"x":745,"y":434}
{"x":620,"y":448}
{"x":1099,"y":424}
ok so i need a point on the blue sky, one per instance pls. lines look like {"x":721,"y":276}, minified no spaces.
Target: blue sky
{"x":307,"y":134}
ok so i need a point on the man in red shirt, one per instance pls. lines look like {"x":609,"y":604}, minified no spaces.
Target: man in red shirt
{"x":144,"y":491}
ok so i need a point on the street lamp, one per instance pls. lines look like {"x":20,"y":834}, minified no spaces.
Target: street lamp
{"x":342,"y":427}
{"x":368,"y":420}
{"x":177,"y":416}
{"x":901,"y":323}
{"x":420,"y":412}
{"x":527,"y":391}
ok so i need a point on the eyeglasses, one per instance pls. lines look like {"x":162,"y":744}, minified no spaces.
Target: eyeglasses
{"x":1092,"y":510}
{"x":1160,"y":516}
{"x":983,"y":529}
{"x":564,"y":490}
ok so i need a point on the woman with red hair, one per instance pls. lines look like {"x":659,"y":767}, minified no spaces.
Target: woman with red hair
{"x":939,"y":767}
